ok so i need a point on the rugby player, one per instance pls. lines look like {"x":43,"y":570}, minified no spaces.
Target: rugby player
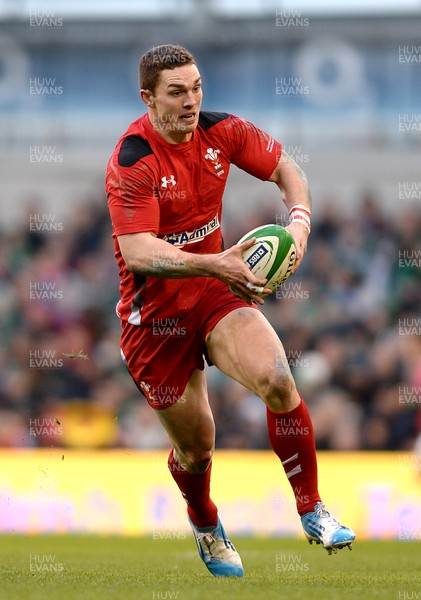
{"x":185,"y":299}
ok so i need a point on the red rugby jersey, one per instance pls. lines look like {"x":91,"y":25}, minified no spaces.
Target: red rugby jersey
{"x":175,"y":191}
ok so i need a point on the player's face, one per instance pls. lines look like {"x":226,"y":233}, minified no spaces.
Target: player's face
{"x":175,"y":105}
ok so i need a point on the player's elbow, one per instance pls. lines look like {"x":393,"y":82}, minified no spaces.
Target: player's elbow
{"x":135,"y":264}
{"x":137,"y":252}
{"x":130,"y":265}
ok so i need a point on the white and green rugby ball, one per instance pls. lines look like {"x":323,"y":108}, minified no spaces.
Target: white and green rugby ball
{"x":273,"y":255}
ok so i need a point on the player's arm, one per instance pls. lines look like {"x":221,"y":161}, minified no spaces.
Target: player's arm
{"x":292,"y":182}
{"x":253,"y":150}
{"x":146,"y":254}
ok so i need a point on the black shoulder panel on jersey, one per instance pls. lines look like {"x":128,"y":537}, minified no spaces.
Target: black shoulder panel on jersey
{"x":209,"y":119}
{"x":133,"y":149}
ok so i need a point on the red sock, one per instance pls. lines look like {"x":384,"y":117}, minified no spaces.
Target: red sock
{"x":292,"y":438}
{"x":195,"y":488}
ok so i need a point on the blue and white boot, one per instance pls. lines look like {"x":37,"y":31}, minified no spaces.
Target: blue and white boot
{"x":217,"y":551}
{"x":320,"y":527}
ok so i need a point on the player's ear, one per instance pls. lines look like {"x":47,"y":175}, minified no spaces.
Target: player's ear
{"x":147,"y":97}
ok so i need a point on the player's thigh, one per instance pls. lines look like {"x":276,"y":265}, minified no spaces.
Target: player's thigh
{"x":245,"y":346}
{"x":189,"y":422}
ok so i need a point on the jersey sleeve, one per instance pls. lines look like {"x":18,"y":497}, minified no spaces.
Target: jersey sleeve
{"x":254,"y":151}
{"x":132,"y":201}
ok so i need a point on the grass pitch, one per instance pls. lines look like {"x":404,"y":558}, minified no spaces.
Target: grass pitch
{"x":115,"y":568}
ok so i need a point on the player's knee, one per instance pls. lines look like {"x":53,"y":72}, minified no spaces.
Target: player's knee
{"x":198,"y":460}
{"x":276,"y":390}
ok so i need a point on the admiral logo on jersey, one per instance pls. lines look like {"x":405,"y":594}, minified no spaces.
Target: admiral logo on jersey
{"x":189,"y":237}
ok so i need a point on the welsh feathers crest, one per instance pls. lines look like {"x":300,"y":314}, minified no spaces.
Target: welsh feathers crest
{"x":212,"y":154}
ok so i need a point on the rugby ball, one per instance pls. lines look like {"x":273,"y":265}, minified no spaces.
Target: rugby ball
{"x":273,"y":255}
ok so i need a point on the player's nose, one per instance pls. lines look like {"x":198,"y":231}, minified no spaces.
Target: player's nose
{"x":189,"y":99}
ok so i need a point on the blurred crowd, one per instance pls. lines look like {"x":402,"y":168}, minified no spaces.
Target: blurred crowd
{"x":349,"y":320}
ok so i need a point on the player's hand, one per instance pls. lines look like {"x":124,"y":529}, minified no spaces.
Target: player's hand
{"x":231,"y":269}
{"x":300,"y":234}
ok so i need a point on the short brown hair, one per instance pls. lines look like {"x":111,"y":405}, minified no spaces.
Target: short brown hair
{"x":158,"y":58}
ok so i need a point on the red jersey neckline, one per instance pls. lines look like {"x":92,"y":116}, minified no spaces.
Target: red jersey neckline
{"x":151,"y":131}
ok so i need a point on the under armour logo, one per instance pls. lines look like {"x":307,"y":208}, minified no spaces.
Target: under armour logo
{"x":212,"y":154}
{"x":166,"y":182}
